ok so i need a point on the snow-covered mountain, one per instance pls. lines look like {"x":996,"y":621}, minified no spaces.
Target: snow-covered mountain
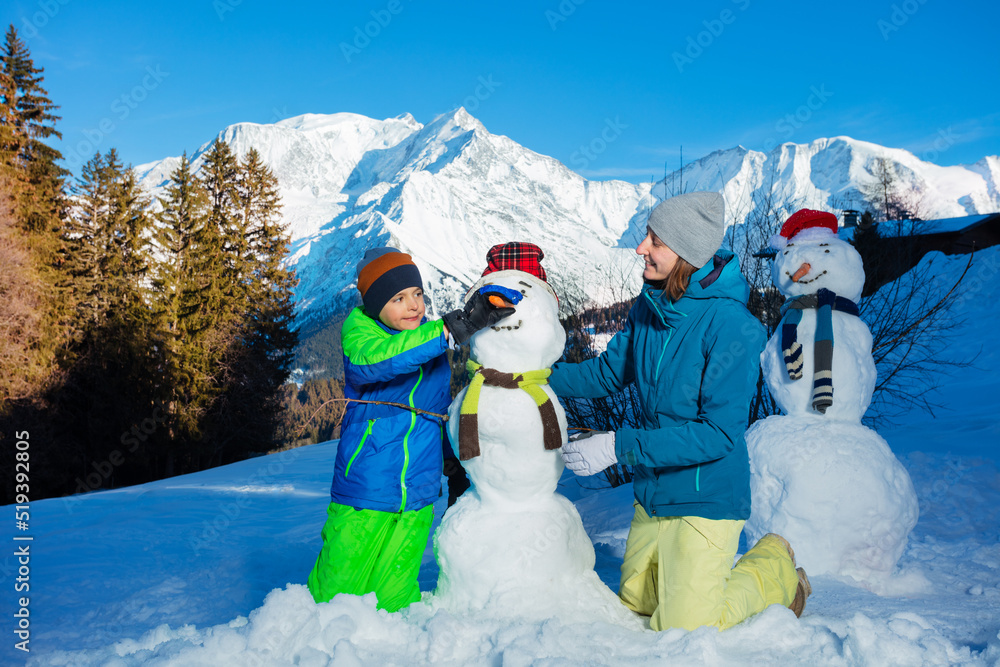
{"x":830,"y":174}
{"x":447,"y":191}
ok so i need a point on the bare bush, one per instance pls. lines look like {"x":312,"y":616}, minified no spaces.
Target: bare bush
{"x":21,"y":310}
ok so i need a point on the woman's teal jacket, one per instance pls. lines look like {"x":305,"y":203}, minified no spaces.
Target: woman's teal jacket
{"x":695,"y":364}
{"x":389,"y":458}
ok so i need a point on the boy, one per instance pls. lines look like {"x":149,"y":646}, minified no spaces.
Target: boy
{"x":388,"y":468}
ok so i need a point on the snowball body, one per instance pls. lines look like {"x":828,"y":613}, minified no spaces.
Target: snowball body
{"x":511,"y":545}
{"x":835,"y":491}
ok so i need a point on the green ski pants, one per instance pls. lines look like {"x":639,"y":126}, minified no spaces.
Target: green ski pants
{"x":367,"y":551}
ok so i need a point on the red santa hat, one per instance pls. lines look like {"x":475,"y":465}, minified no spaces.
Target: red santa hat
{"x":512,"y":258}
{"x":802,"y":220}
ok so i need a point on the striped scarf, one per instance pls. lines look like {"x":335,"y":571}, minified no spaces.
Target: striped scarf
{"x":529,"y":381}
{"x":825,"y":302}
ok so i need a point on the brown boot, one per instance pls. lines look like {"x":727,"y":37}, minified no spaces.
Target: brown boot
{"x":803,"y":591}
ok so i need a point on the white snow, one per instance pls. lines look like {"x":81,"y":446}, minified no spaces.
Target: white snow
{"x":199,"y":570}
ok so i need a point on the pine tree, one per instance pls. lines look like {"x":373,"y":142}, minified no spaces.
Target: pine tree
{"x":271,"y":290}
{"x":85,"y":240}
{"x":29,"y":119}
{"x":32,"y":192}
{"x":32,"y":309}
{"x":259,"y":361}
{"x":184,"y":307}
{"x":109,"y":380}
{"x":130,"y":222}
{"x":9,"y":138}
{"x":220,"y":174}
{"x":106,"y":249}
{"x":270,"y":285}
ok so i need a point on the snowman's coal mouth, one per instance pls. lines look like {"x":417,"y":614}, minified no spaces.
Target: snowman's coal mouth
{"x":811,"y":280}
{"x":510,"y":327}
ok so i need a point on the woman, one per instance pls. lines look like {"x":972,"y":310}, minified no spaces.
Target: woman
{"x":692,"y":349}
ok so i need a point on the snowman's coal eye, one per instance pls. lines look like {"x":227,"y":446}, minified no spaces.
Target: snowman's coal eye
{"x":786,"y":252}
{"x":826,"y":251}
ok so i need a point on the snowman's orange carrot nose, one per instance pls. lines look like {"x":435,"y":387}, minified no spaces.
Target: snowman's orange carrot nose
{"x":498,"y":301}
{"x":803,"y":270}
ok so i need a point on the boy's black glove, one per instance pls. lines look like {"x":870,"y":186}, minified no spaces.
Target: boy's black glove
{"x":458,"y":481}
{"x":478,"y":314}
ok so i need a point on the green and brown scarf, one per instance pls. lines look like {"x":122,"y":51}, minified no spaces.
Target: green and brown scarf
{"x":529,"y":381}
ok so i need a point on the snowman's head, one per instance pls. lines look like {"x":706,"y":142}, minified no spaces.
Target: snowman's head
{"x":530,"y":339}
{"x":818,"y":258}
{"x":810,"y":256}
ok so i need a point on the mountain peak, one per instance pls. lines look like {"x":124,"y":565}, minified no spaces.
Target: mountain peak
{"x":409,"y":120}
{"x":318,"y":121}
{"x":449,"y":190}
{"x":463,"y":119}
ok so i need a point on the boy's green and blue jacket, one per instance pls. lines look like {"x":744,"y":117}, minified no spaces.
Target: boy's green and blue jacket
{"x":695,"y":364}
{"x":389,"y":458}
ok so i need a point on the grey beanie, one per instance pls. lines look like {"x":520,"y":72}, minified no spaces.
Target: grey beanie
{"x":692,"y":225}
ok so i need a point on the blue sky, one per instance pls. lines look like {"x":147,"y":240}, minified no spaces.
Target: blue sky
{"x":613,"y":90}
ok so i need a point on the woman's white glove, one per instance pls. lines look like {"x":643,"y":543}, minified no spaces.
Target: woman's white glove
{"x":590,"y":453}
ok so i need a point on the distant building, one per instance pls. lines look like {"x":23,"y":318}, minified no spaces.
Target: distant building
{"x":899,"y":245}
{"x":851,"y":217}
{"x":952,"y":236}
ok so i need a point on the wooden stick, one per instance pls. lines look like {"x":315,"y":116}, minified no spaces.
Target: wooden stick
{"x":395,"y":405}
{"x":358,"y":400}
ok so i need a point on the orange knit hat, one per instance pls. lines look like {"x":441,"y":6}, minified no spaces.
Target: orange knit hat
{"x":382,"y":274}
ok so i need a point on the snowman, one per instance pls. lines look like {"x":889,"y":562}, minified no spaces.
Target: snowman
{"x":821,"y":479}
{"x":511,"y":545}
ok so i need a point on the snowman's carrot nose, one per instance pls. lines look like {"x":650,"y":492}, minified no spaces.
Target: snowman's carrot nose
{"x":499,"y":302}
{"x":803,"y":270}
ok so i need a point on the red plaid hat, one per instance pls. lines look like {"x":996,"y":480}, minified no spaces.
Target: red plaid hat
{"x":803,"y":219}
{"x":511,"y":257}
{"x":516,"y":256}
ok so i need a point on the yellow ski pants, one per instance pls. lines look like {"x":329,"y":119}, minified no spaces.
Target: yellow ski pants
{"x":679,"y":571}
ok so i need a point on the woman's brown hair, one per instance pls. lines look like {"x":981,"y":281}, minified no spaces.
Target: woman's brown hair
{"x":676,"y":283}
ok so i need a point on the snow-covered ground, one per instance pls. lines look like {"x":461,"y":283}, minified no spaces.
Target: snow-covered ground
{"x":209,"y":568}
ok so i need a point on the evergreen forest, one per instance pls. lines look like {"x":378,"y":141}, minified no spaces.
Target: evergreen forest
{"x":139,"y":338}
